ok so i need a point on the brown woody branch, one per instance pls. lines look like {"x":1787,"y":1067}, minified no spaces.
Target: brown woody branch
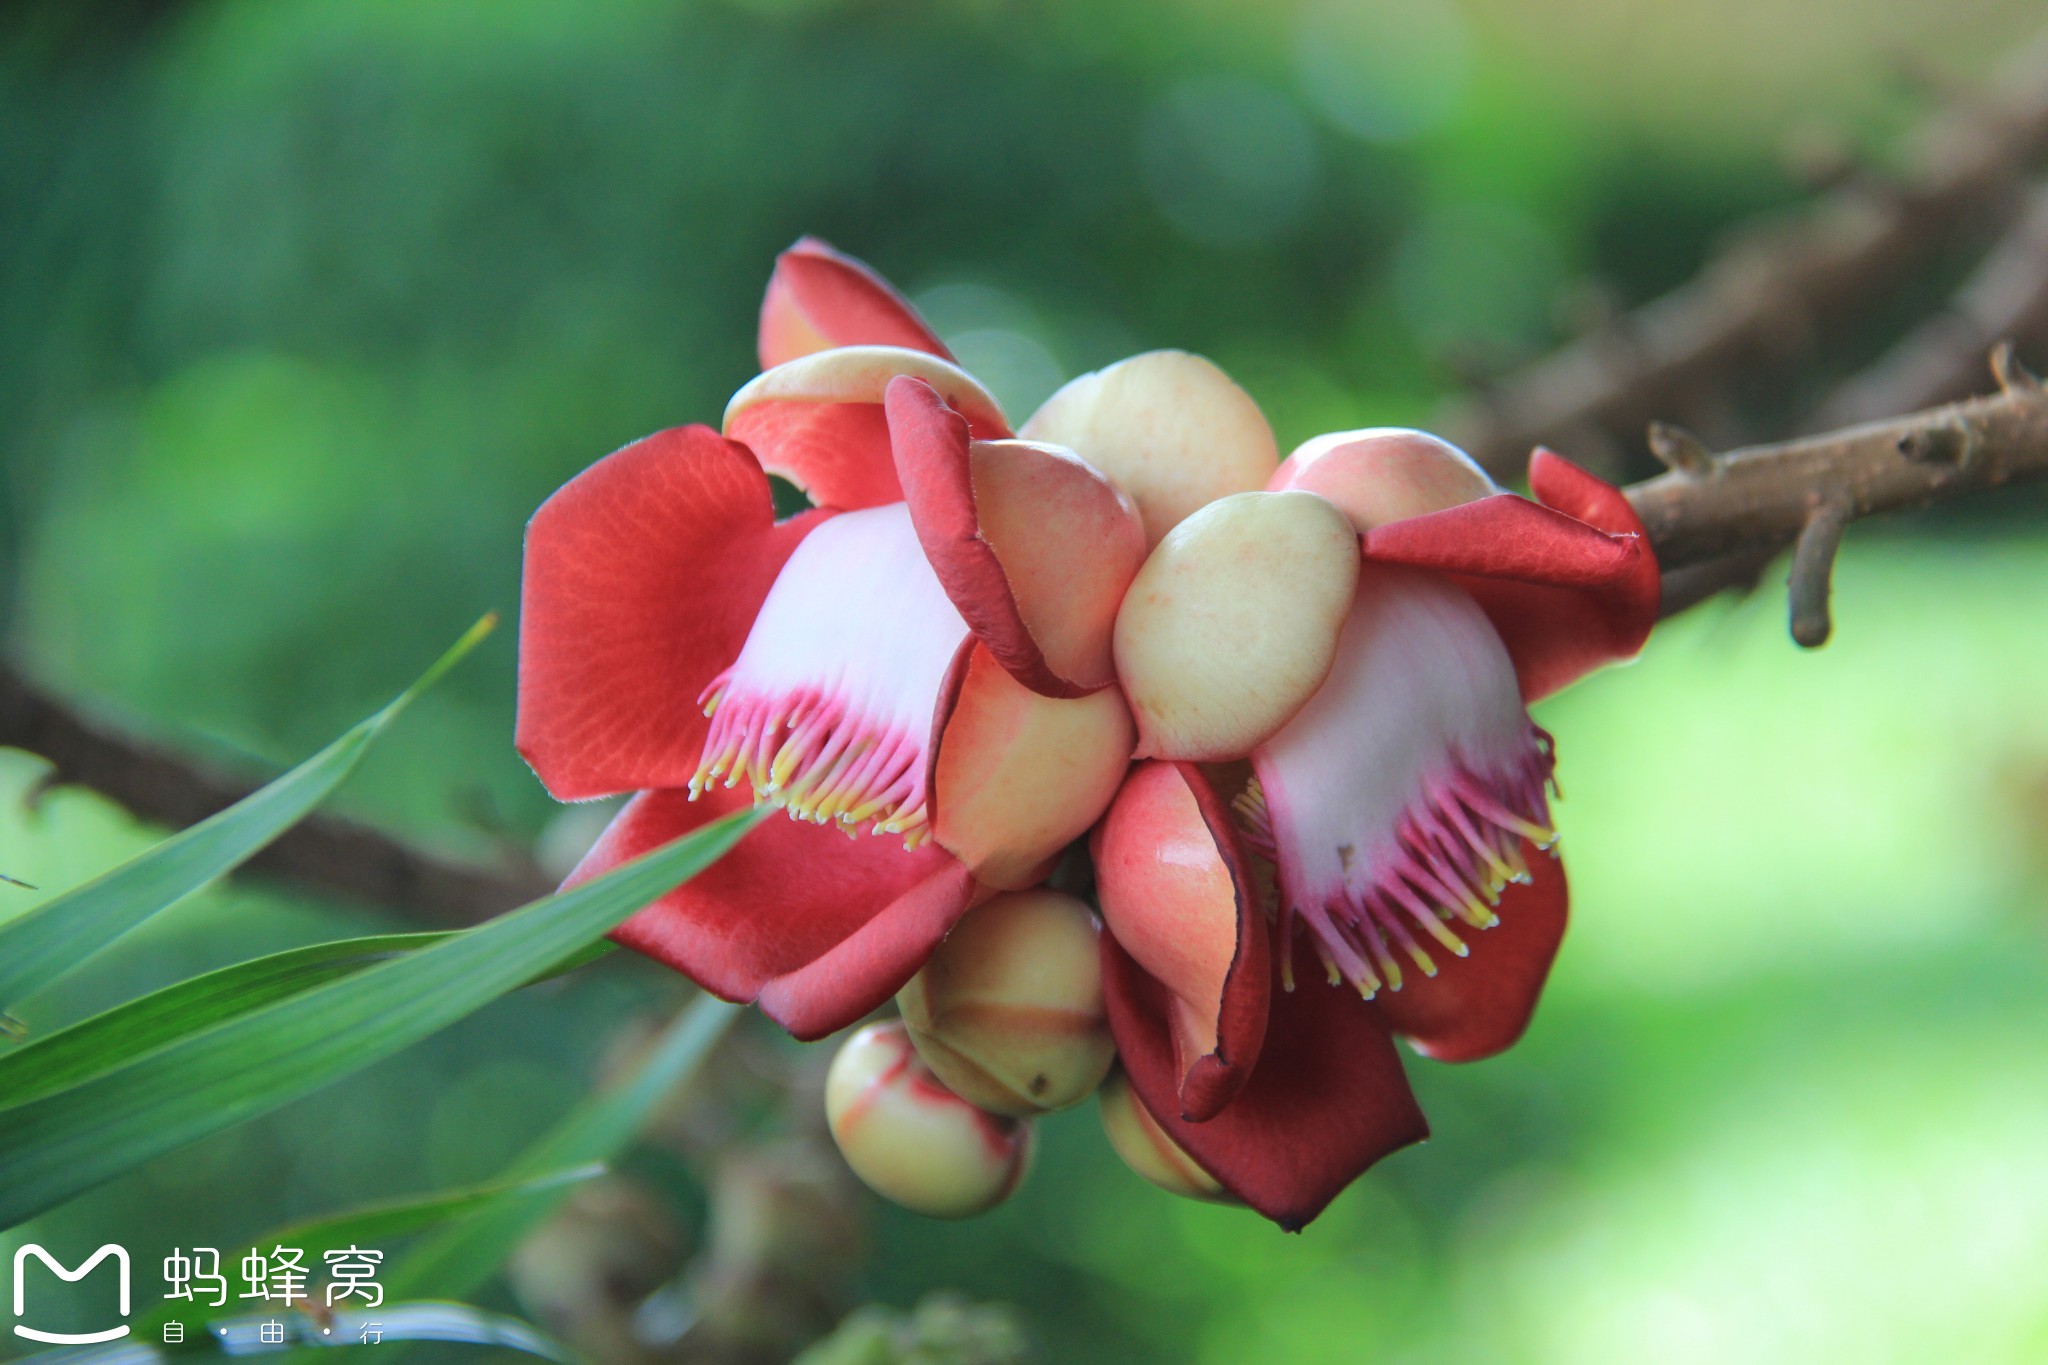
{"x":1718,"y":519}
{"x":330,"y":854}
{"x":1771,"y":292}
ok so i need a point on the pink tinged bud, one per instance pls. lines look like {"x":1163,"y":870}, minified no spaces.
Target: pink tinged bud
{"x":1008,"y":1011}
{"x":1168,"y":428}
{"x":1232,"y":623}
{"x":1384,"y":474}
{"x":1146,"y":1149}
{"x":1397,"y":802}
{"x":1020,"y":776}
{"x":911,"y":1139}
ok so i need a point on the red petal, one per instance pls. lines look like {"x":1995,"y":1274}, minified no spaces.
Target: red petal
{"x":1479,"y":1005}
{"x":1327,"y":1100}
{"x":818,"y":421}
{"x":1570,"y":583}
{"x":838,"y":453}
{"x":643,"y":574}
{"x":819,"y":298}
{"x":821,"y":928}
{"x":1034,"y":546}
{"x":1176,"y":892}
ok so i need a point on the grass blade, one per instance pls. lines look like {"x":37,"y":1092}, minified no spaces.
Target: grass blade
{"x":59,"y":1144}
{"x":109,"y":1039}
{"x":58,"y":935}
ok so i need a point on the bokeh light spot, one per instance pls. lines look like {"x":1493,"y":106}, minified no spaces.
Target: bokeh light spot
{"x":1230,"y":162}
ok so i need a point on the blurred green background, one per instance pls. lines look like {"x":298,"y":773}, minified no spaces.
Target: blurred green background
{"x":304,"y":307}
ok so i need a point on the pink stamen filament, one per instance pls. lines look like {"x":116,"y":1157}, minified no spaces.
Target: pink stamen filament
{"x":1456,"y":847}
{"x":817,"y":757}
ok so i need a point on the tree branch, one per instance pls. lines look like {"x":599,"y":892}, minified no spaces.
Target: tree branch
{"x":1715,"y":520}
{"x":1770,"y":292}
{"x":330,"y":854}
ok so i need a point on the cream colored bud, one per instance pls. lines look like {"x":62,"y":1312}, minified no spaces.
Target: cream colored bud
{"x":1232,"y":623}
{"x":1146,"y":1149}
{"x":1009,"y":1010}
{"x":1168,"y":428}
{"x":913,"y":1140}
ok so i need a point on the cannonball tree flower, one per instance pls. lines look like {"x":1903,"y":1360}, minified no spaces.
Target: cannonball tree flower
{"x":1326,"y":661}
{"x":922,"y":661}
{"x":1338,"y":832}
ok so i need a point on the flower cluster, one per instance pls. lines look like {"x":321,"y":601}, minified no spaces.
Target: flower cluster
{"x":1269,"y":716}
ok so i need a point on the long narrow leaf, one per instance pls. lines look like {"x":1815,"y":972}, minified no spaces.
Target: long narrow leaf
{"x":456,"y":1262}
{"x":143,"y":1025}
{"x":56,"y":936}
{"x":57,"y":1145}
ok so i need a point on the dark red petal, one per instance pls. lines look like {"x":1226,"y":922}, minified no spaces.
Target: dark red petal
{"x":643,"y":574}
{"x":875,"y":961}
{"x":1176,"y":890}
{"x":1032,"y":544}
{"x":1566,"y":592}
{"x":821,"y":928}
{"x":1327,"y":1100}
{"x":1479,"y":1005}
{"x":819,"y":298}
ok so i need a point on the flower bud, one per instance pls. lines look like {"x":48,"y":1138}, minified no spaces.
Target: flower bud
{"x":1009,"y":1010}
{"x":1146,"y":1148}
{"x":1232,"y":623}
{"x":911,"y":1139}
{"x":1384,"y":474}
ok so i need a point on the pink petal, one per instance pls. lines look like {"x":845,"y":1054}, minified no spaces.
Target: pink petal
{"x":642,"y":576}
{"x":1033,"y":545}
{"x":1567,"y":594}
{"x":820,"y":928}
{"x":1176,"y":893}
{"x":819,"y":298}
{"x":1477,"y":1006}
{"x":1395,"y":802}
{"x":831,"y":709}
{"x":1327,"y":1099}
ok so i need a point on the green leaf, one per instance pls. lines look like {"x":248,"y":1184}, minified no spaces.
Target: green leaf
{"x":373,"y":1227}
{"x":458,"y":1261}
{"x":143,"y":1025}
{"x":56,"y":936}
{"x":57,"y":1145}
